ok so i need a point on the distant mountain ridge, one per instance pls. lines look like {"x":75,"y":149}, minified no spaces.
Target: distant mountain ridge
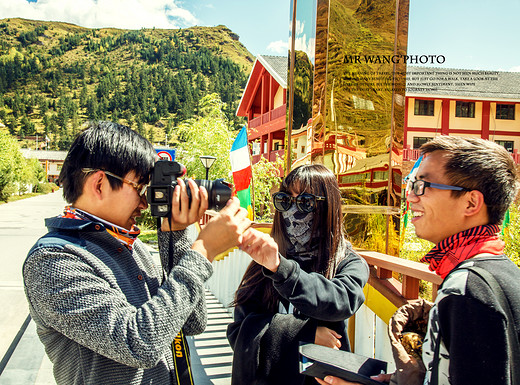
{"x":55,"y":75}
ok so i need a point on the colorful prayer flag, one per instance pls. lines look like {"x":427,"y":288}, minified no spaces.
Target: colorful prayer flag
{"x":241,"y":169}
{"x":410,"y":176}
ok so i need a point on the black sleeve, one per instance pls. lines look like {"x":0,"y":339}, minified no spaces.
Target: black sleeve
{"x":474,"y":335}
{"x":318,"y":297}
{"x":265,"y":346}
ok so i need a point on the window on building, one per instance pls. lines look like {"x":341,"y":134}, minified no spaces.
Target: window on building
{"x":424,"y":107}
{"x":418,"y":141}
{"x":509,"y":145}
{"x":465,"y":110}
{"x":303,"y":149}
{"x":506,"y":111}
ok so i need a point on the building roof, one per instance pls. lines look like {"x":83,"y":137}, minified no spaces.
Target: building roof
{"x":276,"y":66}
{"x":463,"y":83}
{"x":44,"y":155}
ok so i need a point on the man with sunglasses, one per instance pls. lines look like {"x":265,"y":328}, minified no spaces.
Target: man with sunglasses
{"x":458,"y":197}
{"x":106,"y":313}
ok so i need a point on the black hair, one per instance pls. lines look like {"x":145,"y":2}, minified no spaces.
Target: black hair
{"x":105,"y":146}
{"x":482,"y":165}
{"x":327,"y":227}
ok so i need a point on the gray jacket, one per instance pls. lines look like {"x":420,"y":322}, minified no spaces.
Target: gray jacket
{"x":101,"y":310}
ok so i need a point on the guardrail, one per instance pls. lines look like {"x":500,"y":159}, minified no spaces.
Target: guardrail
{"x":268,"y":116}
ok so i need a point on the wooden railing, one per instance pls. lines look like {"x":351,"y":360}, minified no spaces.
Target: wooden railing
{"x":270,"y":156}
{"x":268,"y":116}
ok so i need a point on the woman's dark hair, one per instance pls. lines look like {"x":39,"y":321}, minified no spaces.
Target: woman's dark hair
{"x":327,"y":227}
{"x":105,"y":146}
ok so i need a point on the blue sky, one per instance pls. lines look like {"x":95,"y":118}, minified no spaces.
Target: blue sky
{"x":472,"y":34}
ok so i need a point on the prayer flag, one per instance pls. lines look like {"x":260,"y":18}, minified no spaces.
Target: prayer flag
{"x":241,"y":169}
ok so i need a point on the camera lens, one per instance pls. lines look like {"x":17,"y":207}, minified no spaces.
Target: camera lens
{"x":219,"y":192}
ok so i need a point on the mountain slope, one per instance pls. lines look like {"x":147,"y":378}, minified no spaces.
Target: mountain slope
{"x":54,"y":76}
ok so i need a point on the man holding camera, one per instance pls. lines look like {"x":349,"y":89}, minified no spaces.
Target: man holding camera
{"x":104,"y":311}
{"x":458,"y":197}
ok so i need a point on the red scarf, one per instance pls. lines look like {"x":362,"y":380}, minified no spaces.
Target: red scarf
{"x":446,"y":255}
{"x":126,"y":237}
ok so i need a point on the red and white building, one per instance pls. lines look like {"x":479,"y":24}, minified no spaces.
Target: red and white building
{"x":264,"y":104}
{"x":484,"y":104}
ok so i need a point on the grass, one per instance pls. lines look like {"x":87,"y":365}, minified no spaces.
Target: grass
{"x":148,"y":236}
{"x":14,"y":198}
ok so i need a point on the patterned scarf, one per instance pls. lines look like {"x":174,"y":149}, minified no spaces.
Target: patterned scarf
{"x":126,"y":237}
{"x":446,"y":255}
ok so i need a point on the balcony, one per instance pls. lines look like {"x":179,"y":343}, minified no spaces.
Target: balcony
{"x":271,"y":156}
{"x":268,"y":116}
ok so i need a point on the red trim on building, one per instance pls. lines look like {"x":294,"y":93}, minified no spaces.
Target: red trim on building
{"x":422,"y":129}
{"x":445,"y":121}
{"x":504,"y":133}
{"x":405,"y":139}
{"x":486,"y":110}
{"x":266,"y":124}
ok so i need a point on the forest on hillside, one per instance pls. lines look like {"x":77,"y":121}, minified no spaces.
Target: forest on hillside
{"x":55,"y":76}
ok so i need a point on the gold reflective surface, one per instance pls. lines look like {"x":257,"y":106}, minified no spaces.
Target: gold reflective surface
{"x":348,"y":109}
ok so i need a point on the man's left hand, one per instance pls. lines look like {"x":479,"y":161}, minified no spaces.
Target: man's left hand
{"x":183,"y":212}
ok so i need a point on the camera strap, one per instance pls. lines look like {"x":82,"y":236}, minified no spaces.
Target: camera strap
{"x":180,"y":348}
{"x":181,"y":358}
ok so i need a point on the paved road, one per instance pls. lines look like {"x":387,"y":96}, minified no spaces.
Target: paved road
{"x":21,"y":224}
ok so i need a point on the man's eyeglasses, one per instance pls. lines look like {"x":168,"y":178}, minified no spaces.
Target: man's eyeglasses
{"x":305,"y":202}
{"x":140,"y":188}
{"x":418,"y":186}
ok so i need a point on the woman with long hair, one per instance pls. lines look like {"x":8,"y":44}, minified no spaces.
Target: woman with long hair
{"x":303,"y":284}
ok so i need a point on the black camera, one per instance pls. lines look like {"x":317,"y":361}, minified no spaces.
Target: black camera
{"x":164,"y":180}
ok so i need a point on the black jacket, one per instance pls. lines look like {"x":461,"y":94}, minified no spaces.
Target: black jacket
{"x":468,"y":323}
{"x":265,"y":345}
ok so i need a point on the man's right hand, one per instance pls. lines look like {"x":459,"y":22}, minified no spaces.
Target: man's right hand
{"x":331,"y":380}
{"x":223,"y":231}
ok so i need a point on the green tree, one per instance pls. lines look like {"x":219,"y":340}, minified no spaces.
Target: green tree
{"x":511,"y":234}
{"x":29,"y":175}
{"x":11,"y":163}
{"x":266,"y":177}
{"x":208,"y":134}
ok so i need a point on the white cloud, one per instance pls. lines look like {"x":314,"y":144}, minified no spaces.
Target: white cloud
{"x":515,"y":69}
{"x":127,"y":14}
{"x":305,"y":45}
{"x":279,"y":47}
{"x":300,"y":26}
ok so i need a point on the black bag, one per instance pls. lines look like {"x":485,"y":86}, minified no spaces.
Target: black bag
{"x":320,"y":361}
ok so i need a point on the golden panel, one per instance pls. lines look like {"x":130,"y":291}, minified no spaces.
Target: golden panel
{"x":354,"y":78}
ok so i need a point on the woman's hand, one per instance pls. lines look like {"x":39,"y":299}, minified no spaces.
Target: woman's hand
{"x":327,"y":337}
{"x":262,"y":248}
